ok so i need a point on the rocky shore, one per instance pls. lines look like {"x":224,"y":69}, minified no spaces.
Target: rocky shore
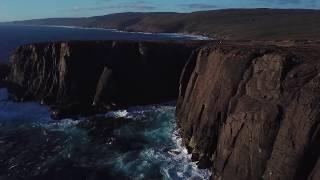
{"x":248,"y":110}
{"x":252,"y":111}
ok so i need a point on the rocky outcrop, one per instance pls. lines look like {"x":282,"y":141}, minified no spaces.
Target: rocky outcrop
{"x":252,"y":111}
{"x":4,"y":72}
{"x":85,"y":77}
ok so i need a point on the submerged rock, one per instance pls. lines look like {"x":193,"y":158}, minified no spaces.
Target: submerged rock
{"x":72,"y":111}
{"x":253,"y":110}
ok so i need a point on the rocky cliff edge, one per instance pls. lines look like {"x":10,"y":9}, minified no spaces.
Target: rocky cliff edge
{"x":253,"y":111}
{"x":87,"y":77}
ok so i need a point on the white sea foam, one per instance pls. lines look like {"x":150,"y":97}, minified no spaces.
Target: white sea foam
{"x":173,"y":35}
{"x":61,"y":125}
{"x":152,"y":142}
{"x":117,"y":114}
{"x":181,"y":155}
{"x":175,"y":162}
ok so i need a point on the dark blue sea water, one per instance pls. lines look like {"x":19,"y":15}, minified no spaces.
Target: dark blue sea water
{"x":143,"y":142}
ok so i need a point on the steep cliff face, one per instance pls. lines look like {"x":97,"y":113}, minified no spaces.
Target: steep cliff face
{"x":253,"y":112}
{"x":76,"y":75}
{"x":4,"y":72}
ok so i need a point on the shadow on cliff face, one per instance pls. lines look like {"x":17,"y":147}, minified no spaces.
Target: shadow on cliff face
{"x":4,"y":72}
{"x":87,"y":77}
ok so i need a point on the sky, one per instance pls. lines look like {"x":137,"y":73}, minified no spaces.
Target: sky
{"x":11,"y":10}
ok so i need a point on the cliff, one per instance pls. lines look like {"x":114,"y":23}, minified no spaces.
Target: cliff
{"x":252,"y":111}
{"x":258,"y":24}
{"x":4,"y":72}
{"x":86,"y":77}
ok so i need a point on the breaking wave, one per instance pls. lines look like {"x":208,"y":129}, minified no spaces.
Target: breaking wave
{"x":144,"y":144}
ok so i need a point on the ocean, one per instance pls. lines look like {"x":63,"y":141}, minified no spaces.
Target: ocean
{"x":11,"y":36}
{"x":143,"y":142}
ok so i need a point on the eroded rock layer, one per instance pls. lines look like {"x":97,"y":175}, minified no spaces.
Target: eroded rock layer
{"x":253,"y":111}
{"x":77,"y":76}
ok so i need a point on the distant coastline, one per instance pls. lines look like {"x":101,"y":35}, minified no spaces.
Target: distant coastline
{"x":230,"y":24}
{"x":14,"y":35}
{"x":195,"y":36}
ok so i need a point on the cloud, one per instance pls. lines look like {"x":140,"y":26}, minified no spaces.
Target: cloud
{"x":199,"y":6}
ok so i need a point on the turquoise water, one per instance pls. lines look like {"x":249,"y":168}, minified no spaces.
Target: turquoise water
{"x":143,"y":143}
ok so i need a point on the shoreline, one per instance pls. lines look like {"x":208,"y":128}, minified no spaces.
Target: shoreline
{"x":196,"y":37}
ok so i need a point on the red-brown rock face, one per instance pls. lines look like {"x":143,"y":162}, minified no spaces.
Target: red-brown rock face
{"x":253,"y":112}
